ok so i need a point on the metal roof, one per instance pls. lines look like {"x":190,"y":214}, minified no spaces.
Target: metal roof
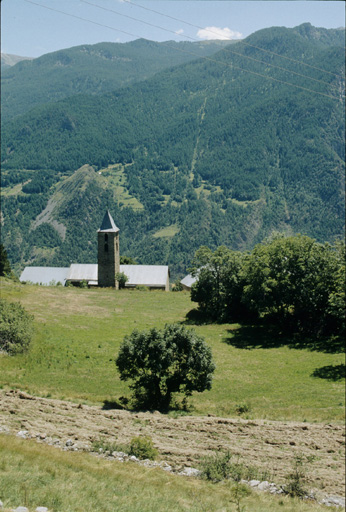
{"x":146,"y":275}
{"x":108,"y":224}
{"x":45,"y":275}
{"x":82,"y":272}
{"x":188,"y":280}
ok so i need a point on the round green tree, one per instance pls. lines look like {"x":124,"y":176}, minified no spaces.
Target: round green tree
{"x":15,"y":327}
{"x":162,"y":362}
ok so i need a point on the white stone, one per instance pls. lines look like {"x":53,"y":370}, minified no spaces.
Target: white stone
{"x":69,"y":442}
{"x":190,"y":472}
{"x":21,"y":509}
{"x":254,"y":483}
{"x":1,"y":504}
{"x":334,"y":501}
{"x":23,"y":434}
{"x":41,"y":509}
{"x":263,"y":486}
{"x":133,"y":458}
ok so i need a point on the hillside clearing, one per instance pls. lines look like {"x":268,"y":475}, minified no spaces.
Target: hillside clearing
{"x":78,"y":333}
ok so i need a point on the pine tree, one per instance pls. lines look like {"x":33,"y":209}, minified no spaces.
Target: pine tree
{"x":5,"y":267}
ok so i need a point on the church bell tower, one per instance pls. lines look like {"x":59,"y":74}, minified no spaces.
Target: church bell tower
{"x":108,"y":252}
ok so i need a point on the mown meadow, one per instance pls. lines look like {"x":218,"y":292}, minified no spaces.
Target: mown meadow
{"x":78,"y":333}
{"x":33,"y":475}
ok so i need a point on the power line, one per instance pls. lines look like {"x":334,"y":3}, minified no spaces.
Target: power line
{"x":82,"y":19}
{"x":232,"y":66}
{"x":194,"y":39}
{"x":241,"y":41}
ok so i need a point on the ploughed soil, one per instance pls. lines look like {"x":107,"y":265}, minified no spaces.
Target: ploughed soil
{"x":269,"y":446}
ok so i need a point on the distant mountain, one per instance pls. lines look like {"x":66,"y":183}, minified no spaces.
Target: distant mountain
{"x":8,"y":60}
{"x":91,"y":69}
{"x":214,"y":151}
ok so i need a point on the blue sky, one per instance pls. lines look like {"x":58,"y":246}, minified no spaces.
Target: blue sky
{"x":28,"y":29}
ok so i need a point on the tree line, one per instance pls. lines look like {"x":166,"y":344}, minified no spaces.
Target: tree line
{"x":294,"y":282}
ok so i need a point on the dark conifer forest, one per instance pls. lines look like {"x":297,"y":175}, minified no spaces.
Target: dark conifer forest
{"x":224,"y":149}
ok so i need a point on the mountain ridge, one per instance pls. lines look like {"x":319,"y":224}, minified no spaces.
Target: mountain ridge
{"x":211,"y":147}
{"x":93,"y":69}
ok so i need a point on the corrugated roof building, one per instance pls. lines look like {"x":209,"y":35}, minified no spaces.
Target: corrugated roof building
{"x":152,"y":276}
{"x":188,"y":281}
{"x":45,"y":275}
{"x":82,"y":272}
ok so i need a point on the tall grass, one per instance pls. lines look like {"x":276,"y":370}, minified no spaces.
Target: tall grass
{"x":78,"y":333}
{"x":35,"y":475}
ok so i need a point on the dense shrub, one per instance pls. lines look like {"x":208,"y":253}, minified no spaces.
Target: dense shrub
{"x":163,"y":362}
{"x":216,"y":467}
{"x":121,"y":278}
{"x":142,"y":447}
{"x":15,"y":327}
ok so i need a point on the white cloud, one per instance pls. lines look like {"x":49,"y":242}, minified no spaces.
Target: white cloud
{"x":179,"y":32}
{"x":218,"y":33}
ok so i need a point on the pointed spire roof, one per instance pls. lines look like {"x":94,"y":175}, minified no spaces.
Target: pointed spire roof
{"x":108,"y":224}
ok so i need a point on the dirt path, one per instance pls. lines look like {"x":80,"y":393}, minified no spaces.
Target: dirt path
{"x":267,"y":445}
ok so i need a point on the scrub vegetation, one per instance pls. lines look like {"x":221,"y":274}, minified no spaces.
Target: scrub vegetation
{"x":35,"y":475}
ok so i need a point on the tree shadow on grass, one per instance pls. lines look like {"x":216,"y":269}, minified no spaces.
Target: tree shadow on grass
{"x":121,"y":403}
{"x":196,"y":317}
{"x":178,"y":406}
{"x":255,"y":336}
{"x":332,"y":372}
{"x":271,"y":336}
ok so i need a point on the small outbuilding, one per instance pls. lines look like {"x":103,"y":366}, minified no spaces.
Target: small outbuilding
{"x":187,"y":282}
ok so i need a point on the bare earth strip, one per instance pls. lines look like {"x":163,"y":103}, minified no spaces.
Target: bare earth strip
{"x":267,"y":445}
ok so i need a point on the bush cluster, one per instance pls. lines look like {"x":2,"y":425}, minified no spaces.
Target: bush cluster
{"x":293,"y":281}
{"x":141,"y":447}
{"x":15,"y":327}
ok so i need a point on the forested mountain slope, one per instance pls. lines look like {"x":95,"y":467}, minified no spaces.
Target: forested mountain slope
{"x":91,"y":69}
{"x":216,"y":151}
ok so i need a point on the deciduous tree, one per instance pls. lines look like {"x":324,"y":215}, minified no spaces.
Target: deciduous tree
{"x":162,"y":362}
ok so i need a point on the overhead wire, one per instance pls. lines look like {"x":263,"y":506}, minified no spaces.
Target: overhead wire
{"x":228,"y":50}
{"x":232,"y":66}
{"x":229,"y":39}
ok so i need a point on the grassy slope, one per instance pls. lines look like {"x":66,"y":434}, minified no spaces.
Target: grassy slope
{"x":37,"y":475}
{"x":78,"y":333}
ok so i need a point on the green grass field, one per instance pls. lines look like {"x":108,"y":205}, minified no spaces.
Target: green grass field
{"x":78,"y":333}
{"x":34,"y":475}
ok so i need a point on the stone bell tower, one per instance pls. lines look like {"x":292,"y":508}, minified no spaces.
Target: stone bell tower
{"x":108,"y":252}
